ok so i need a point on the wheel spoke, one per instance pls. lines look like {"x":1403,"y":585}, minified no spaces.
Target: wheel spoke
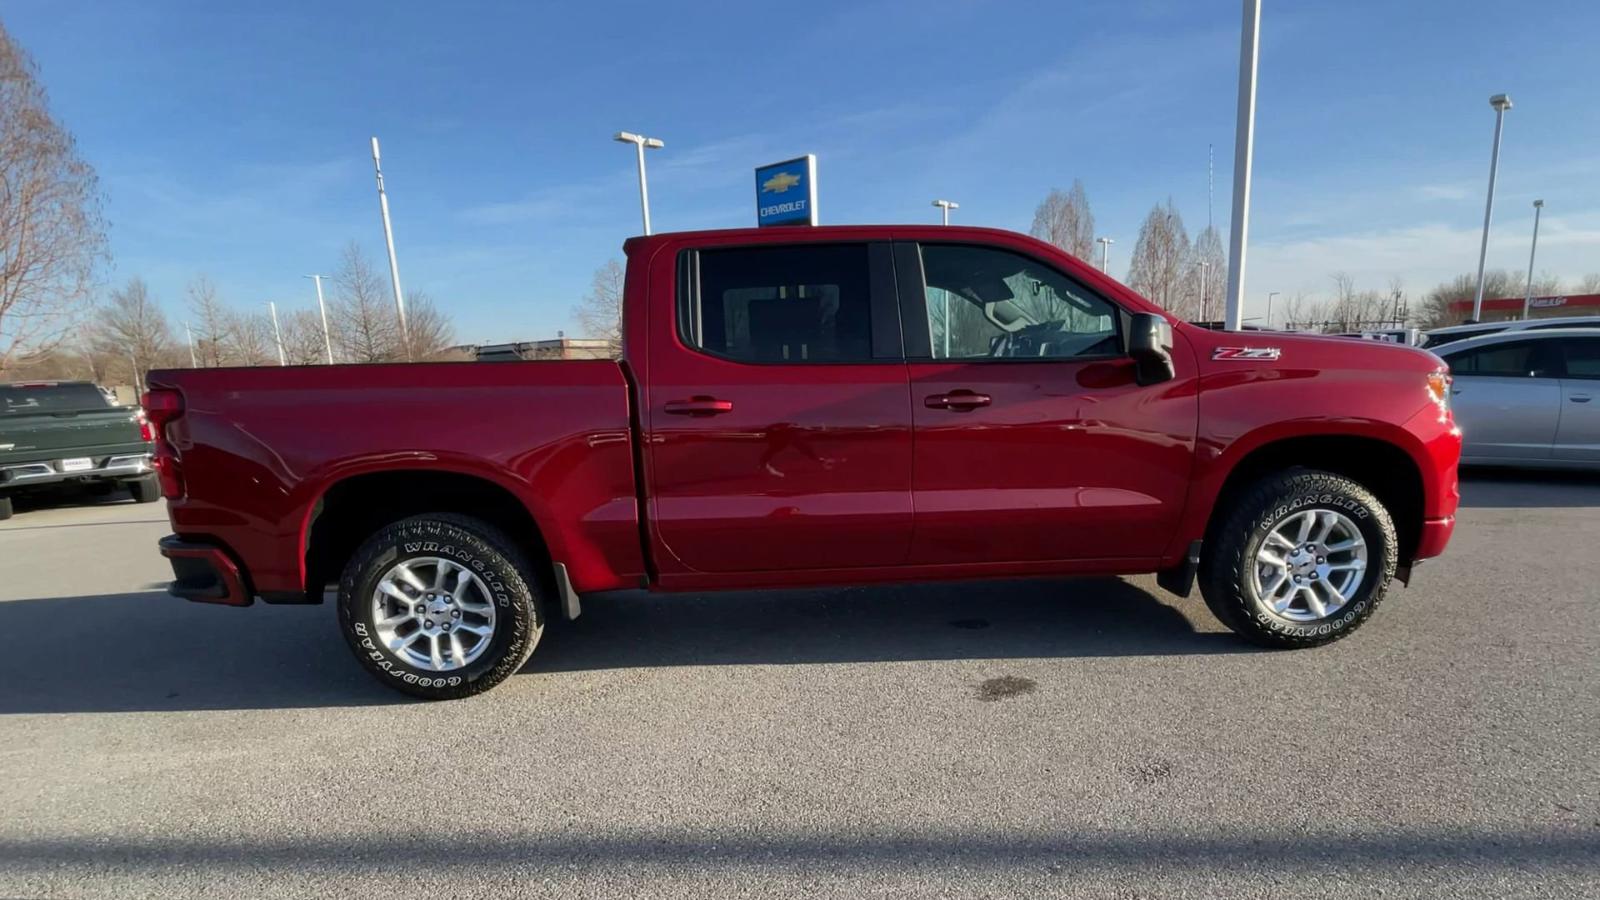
{"x":1277,"y":562}
{"x":433,"y":651}
{"x":1307,"y":520}
{"x":463,"y":588}
{"x":393,"y":590}
{"x":1342,"y":546}
{"x":1313,"y":602}
{"x":441,"y":573}
{"x":1334,"y":593}
{"x":393,"y":622}
{"x":1326,"y":522}
{"x":480,"y":630}
{"x":1354,"y":565}
{"x":400,"y":643}
{"x":456,"y":653}
{"x":410,"y":577}
{"x":1271,"y":590}
{"x":1277,"y":539}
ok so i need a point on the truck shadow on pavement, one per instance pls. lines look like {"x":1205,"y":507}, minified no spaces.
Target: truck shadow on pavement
{"x":152,"y":652}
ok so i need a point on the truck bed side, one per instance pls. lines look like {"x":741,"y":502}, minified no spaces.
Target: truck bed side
{"x":265,"y":453}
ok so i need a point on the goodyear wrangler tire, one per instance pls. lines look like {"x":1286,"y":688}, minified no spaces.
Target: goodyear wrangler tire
{"x":440,"y":606}
{"x":1302,"y":559}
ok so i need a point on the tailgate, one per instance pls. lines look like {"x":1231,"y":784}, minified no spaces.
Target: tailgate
{"x":52,"y":424}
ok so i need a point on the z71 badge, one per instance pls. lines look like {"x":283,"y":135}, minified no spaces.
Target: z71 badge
{"x":1246,"y":353}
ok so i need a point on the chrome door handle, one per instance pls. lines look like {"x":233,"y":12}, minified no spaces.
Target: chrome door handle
{"x":698,"y":406}
{"x":957,"y":401}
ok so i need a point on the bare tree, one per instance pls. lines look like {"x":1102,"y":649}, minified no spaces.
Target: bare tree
{"x":52,"y":236}
{"x":1208,"y":273}
{"x":1444,"y":304}
{"x":210,"y":322}
{"x":302,"y":337}
{"x":133,"y":328}
{"x":600,"y":312}
{"x":366,"y":329}
{"x":1590,"y":284}
{"x":1063,"y":218}
{"x":249,"y":340}
{"x":428,"y":328}
{"x":1160,"y":261}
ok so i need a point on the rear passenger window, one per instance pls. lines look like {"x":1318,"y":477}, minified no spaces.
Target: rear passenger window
{"x":779,"y":304}
{"x":1583,"y":357}
{"x":1497,"y":360}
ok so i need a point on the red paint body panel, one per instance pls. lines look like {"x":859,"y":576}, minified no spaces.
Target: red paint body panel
{"x":816,"y":473}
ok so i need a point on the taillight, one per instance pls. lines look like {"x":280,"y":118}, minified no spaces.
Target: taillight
{"x":146,"y":433}
{"x":162,"y":406}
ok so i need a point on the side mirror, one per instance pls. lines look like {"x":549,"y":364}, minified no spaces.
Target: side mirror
{"x":1150,"y":345}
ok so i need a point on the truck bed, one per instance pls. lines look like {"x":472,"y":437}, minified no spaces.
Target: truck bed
{"x":260,"y":448}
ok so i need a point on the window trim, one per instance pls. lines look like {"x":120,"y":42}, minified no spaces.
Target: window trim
{"x":883,"y":312}
{"x":913,"y":286}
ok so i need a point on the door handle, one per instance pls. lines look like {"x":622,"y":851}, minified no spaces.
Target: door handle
{"x":698,"y":406}
{"x":1579,"y":398}
{"x":958,"y":401}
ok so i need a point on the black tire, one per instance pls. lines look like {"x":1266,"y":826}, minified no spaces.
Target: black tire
{"x":494,"y":558}
{"x":1228,"y":562}
{"x":145,"y":490}
{"x":5,"y":508}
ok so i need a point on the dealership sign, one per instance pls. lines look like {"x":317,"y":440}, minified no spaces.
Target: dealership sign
{"x":786,"y":192}
{"x":1547,"y":302}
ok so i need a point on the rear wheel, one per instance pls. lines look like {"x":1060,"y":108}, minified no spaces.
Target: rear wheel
{"x":1302,"y":558}
{"x":145,"y":489}
{"x":440,"y":606}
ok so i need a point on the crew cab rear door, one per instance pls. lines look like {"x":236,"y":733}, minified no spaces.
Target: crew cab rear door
{"x":1033,"y":441}
{"x":777,"y":419}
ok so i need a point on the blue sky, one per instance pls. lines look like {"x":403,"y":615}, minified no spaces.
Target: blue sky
{"x":233,"y":139}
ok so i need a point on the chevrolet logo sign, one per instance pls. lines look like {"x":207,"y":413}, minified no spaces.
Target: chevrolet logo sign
{"x":779,"y":183}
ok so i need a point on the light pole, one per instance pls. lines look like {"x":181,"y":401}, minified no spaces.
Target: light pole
{"x":1269,"y":307}
{"x":1243,"y":154}
{"x":1501,"y":103}
{"x":194,"y":361}
{"x":1105,"y":251}
{"x":388,"y":238}
{"x":640,"y":142}
{"x":945,"y":206}
{"x":277,"y":336}
{"x":1527,"y":300}
{"x":327,"y":338}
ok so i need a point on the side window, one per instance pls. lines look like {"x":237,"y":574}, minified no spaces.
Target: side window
{"x":1583,"y":357}
{"x":1513,"y":360}
{"x":780,"y":304}
{"x":986,"y":303}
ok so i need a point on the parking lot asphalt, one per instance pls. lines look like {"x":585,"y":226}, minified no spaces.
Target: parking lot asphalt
{"x":1094,"y":738}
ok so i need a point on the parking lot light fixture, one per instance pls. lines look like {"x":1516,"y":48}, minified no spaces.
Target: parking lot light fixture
{"x":1501,"y":103}
{"x":640,"y":143}
{"x":1105,"y":252}
{"x":946,"y":206}
{"x":1527,"y":299}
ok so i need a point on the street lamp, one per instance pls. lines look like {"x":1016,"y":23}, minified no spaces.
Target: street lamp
{"x":277,"y":336}
{"x":1243,"y":155}
{"x":1105,"y":248}
{"x":1527,"y":300}
{"x":640,"y":142}
{"x":1269,"y":307}
{"x":946,"y":206}
{"x":388,"y":240}
{"x":1501,"y":103}
{"x":327,"y":339}
{"x":1205,"y":305}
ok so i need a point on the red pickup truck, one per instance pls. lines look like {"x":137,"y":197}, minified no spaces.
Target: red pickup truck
{"x":813,"y":406}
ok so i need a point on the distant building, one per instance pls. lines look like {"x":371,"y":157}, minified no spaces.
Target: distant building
{"x":1502,"y":308}
{"x":559,"y":348}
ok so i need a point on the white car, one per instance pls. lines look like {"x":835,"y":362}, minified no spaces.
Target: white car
{"x":1528,"y":398}
{"x":1438,"y":337}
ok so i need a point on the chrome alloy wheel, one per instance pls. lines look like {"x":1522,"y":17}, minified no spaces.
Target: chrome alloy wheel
{"x":1311,"y":564}
{"x":433,"y":613}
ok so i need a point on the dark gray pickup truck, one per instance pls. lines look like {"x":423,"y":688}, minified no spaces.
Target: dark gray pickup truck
{"x":55,"y":432}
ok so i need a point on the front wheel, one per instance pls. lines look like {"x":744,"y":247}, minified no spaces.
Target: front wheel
{"x":1301,"y":559}
{"x":440,"y":606}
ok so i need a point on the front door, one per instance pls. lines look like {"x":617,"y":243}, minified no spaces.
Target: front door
{"x":1033,"y":442}
{"x":1507,"y":399}
{"x":778,"y":424}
